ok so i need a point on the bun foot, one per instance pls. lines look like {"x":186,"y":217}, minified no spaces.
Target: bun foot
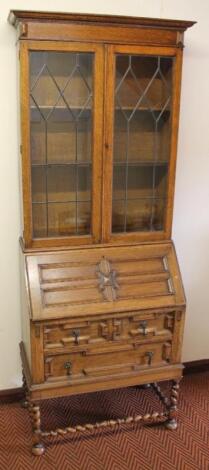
{"x":38,"y":449}
{"x":171,"y":424}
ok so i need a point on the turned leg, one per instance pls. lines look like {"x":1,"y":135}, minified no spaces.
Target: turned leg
{"x":171,"y":423}
{"x":164,"y":400}
{"x":25,"y":401}
{"x":38,"y":447}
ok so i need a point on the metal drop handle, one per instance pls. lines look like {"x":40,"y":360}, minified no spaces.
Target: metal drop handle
{"x":143,"y":326}
{"x":150,"y":355}
{"x":76,"y":333}
{"x":68,"y":366}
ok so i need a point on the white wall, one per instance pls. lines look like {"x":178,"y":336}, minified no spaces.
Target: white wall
{"x":191,"y":212}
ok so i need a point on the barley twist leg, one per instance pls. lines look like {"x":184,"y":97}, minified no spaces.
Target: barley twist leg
{"x":38,"y":447}
{"x":171,"y":423}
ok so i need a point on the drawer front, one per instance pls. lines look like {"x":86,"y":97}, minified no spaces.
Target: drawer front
{"x":105,"y":362}
{"x":134,"y":328}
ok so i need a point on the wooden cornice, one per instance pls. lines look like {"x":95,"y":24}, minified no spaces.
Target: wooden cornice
{"x":19,"y":16}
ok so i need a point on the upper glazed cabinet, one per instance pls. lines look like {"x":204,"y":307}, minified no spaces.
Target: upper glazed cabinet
{"x":100,"y":110}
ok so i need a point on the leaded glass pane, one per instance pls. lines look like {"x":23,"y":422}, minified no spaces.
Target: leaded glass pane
{"x":142,"y":121}
{"x":61,"y":94}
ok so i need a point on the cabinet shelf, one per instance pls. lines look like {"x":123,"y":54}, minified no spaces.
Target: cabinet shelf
{"x":89,"y":108}
{"x":87,"y":164}
{"x":67,"y":164}
{"x":142,"y":198}
{"x":60,"y":113}
{"x":140,"y":163}
{"x":83,"y":201}
{"x":142,"y":109}
{"x":152,"y":198}
{"x":60,"y":108}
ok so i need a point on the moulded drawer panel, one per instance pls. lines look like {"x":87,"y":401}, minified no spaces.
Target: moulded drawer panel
{"x":101,"y":362}
{"x":108,"y":332}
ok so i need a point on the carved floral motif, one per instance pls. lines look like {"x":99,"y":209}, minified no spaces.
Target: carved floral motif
{"x":107,"y":279}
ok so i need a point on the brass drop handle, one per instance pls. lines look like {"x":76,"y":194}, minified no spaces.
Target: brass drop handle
{"x":76,"y":334}
{"x":68,"y":366}
{"x":150,"y":355}
{"x":143,"y":326}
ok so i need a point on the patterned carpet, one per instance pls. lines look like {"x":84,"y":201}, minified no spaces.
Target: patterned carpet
{"x":129,"y":447}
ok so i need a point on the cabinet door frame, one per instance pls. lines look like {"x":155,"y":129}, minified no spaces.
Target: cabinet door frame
{"x":97,"y":137}
{"x":111,"y":51}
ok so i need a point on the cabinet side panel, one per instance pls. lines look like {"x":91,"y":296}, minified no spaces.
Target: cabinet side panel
{"x":25,"y":141}
{"x":178,"y":335}
{"x":37,"y":353}
{"x":174,"y":138}
{"x":19,"y":141}
{"x":25,"y":310}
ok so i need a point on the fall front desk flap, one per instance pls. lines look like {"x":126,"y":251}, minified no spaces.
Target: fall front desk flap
{"x":99,"y":280}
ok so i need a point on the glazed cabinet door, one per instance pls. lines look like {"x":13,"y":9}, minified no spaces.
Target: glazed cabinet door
{"x":62,"y":105}
{"x":143,"y":87}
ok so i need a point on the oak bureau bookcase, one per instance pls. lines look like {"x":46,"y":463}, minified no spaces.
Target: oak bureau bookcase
{"x":103,"y":303}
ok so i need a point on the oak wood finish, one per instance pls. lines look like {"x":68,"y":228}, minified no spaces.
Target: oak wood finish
{"x":104,"y":309}
{"x":108,"y":147}
{"x":16,"y":16}
{"x":38,"y":447}
{"x":104,"y":83}
{"x":18,"y":393}
{"x":148,"y":277}
{"x":64,"y":387}
{"x":25,"y":48}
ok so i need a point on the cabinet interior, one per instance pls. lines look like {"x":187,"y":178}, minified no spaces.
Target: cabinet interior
{"x":61,"y":142}
{"x":61,"y":117}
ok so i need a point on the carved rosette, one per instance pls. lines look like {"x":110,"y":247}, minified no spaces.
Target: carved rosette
{"x":107,"y":279}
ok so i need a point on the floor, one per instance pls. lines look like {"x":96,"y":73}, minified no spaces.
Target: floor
{"x":129,"y":447}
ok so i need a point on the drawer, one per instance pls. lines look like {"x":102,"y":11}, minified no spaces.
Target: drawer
{"x":105,"y":362}
{"x":137,"y":328}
